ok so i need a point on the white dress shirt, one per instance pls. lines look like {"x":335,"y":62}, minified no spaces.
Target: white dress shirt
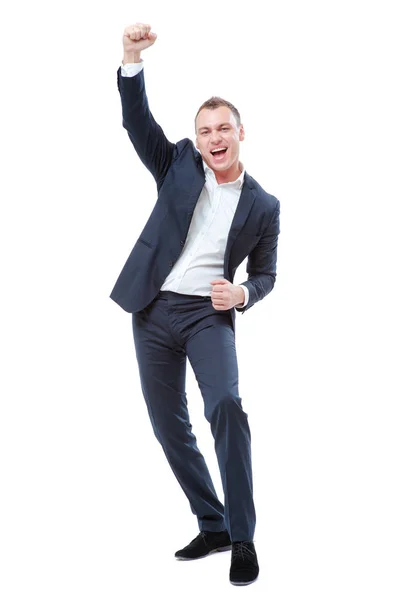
{"x":202,"y":258}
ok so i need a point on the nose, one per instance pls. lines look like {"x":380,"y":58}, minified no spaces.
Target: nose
{"x":215,"y":136}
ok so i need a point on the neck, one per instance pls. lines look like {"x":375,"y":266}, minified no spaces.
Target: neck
{"x":230,"y":175}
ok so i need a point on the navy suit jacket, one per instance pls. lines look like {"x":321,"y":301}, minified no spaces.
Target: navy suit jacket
{"x":179,"y":176}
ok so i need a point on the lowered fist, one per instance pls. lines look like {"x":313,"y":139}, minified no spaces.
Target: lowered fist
{"x":138,"y":37}
{"x":225,"y":295}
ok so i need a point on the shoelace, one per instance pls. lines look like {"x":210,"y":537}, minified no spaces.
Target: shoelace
{"x":241,"y":550}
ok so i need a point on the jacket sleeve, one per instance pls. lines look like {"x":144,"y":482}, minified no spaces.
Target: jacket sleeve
{"x":262,"y":262}
{"x":153,"y":148}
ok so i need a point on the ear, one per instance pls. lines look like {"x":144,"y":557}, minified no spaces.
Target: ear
{"x":241,"y":133}
{"x":196,"y":143}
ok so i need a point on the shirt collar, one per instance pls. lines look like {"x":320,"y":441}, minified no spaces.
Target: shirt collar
{"x":238,"y":183}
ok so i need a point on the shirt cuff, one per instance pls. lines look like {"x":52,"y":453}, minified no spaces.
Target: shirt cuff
{"x":246,"y":296}
{"x":131,"y":69}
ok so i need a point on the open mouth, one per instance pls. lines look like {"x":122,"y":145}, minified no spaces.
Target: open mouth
{"x":219,"y":152}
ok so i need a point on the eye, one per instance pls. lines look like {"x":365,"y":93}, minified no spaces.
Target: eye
{"x":225,"y":128}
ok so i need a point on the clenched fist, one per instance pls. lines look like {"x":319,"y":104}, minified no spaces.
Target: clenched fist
{"x":225,"y":295}
{"x":138,"y":37}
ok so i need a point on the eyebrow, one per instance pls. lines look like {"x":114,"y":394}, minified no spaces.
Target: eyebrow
{"x":221,"y":125}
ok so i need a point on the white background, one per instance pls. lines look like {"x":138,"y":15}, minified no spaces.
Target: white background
{"x":89,"y":506}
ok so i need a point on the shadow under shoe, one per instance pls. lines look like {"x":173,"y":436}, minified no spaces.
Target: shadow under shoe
{"x":205,"y":543}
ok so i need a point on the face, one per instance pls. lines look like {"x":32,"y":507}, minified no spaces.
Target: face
{"x":217,"y":129}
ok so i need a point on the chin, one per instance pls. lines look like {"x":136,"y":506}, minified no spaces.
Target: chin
{"x":222,"y":166}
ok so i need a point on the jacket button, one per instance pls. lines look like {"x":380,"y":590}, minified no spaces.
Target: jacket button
{"x":170,"y":263}
{"x":181,"y":242}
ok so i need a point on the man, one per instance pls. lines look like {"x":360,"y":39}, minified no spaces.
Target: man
{"x":177,"y":282}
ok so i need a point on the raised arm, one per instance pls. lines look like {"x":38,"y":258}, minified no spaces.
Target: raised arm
{"x":147,"y":137}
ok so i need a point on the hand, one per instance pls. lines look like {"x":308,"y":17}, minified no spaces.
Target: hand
{"x":138,"y":37}
{"x":225,"y":295}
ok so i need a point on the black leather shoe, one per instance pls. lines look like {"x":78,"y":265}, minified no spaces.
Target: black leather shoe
{"x":244,"y":563}
{"x":205,"y":543}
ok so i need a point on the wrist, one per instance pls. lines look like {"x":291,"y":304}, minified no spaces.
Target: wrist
{"x":131,"y":57}
{"x":240,"y":297}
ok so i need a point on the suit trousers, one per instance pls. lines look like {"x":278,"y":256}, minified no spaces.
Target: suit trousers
{"x":171,"y":329}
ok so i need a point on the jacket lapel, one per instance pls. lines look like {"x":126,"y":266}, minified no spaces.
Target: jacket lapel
{"x":245,"y":203}
{"x":188,"y":200}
